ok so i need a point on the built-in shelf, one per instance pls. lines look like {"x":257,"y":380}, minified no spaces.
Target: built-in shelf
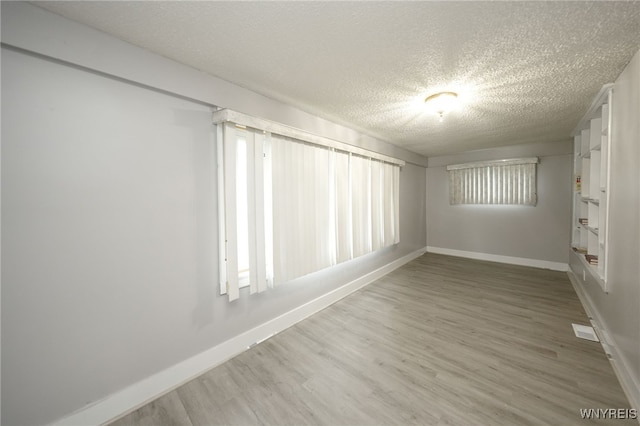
{"x":591,"y":169}
{"x":593,"y":269}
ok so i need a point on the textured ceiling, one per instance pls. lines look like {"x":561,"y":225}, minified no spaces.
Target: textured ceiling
{"x":525,"y":71}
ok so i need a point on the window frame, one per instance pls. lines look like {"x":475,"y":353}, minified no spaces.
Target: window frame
{"x":260,"y":195}
{"x":498,"y":182}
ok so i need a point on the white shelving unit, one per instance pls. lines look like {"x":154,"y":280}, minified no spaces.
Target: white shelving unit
{"x":592,"y":139}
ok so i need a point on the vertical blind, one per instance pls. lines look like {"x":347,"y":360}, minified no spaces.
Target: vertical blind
{"x":288,"y":208}
{"x":303,"y":238}
{"x":510,"y":181}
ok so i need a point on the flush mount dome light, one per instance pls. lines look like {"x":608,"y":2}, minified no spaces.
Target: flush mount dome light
{"x":441,"y":103}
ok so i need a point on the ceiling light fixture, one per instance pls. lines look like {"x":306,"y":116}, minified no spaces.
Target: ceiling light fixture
{"x":441,"y":103}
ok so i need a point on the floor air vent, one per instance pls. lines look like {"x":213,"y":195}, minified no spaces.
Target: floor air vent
{"x":585,"y":332}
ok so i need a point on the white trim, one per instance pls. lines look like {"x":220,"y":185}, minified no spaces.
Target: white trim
{"x":222,"y":229}
{"x":522,"y":261}
{"x":601,"y":98}
{"x":593,"y":271}
{"x":229,"y":116}
{"x":629,"y":383}
{"x":490,"y":163}
{"x":129,"y":399}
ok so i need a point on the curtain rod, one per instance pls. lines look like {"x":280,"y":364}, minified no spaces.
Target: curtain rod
{"x":227,"y":115}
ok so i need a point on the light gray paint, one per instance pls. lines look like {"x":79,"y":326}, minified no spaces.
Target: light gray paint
{"x":109,"y":249}
{"x":619,"y":310}
{"x":538,"y":232}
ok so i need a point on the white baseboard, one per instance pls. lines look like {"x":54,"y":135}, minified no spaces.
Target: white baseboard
{"x":628,"y":381}
{"x":137,"y":395}
{"x":522,"y":261}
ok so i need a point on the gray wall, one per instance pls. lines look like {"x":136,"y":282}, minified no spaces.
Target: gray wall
{"x":619,"y":311}
{"x":109,"y":245}
{"x":540,"y":232}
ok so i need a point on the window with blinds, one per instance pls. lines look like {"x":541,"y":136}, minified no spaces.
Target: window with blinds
{"x":288,"y":207}
{"x":510,"y":181}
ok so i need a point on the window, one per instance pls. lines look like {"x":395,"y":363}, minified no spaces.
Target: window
{"x":243,"y":196}
{"x":494,"y":182}
{"x":303,"y":233}
{"x":328,"y":206}
{"x":288,"y":207}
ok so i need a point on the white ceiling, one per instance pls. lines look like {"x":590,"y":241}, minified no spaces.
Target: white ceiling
{"x":525,"y":71}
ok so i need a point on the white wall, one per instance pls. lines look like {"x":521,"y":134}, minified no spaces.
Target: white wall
{"x":618,"y":312}
{"x":535,"y":235}
{"x":109,"y":245}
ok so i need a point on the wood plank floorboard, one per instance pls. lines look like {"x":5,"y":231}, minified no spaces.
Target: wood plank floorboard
{"x":439,"y":341}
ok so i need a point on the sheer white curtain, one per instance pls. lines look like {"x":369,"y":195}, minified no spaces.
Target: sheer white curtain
{"x":510,"y":181}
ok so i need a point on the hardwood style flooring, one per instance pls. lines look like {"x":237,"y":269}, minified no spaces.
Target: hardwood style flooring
{"x":439,"y":341}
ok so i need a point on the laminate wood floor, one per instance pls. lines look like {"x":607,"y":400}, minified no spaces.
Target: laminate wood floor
{"x":439,"y":341}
